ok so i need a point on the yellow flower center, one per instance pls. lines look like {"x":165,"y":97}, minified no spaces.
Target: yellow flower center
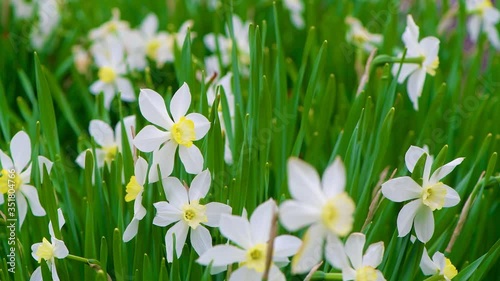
{"x":256,"y":257}
{"x":481,"y":8}
{"x":110,"y":153}
{"x":9,"y":181}
{"x":449,"y":269}
{"x":112,"y":27}
{"x":360,"y":37}
{"x":194,"y":214}
{"x":337,"y":214}
{"x":366,"y":273}
{"x":133,"y":189}
{"x":45,"y":251}
{"x":433,"y":196}
{"x":152,"y":48}
{"x":183,"y":132}
{"x":431,"y":69}
{"x":106,"y":74}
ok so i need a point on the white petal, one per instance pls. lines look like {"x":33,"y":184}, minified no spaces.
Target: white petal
{"x":374,"y":255}
{"x":150,"y":24}
{"x":150,"y":138}
{"x":165,"y":159}
{"x":20,"y":149}
{"x":424,"y":224}
{"x":474,"y":27}
{"x":406,"y":70}
{"x":443,"y":171}
{"x":37,"y":274}
{"x":333,"y":180}
{"x":191,"y":158}
{"x":430,"y":46}
{"x":411,"y":34}
{"x":131,"y":230}
{"x":295,"y":215}
{"x":406,"y":217}
{"x":200,"y":186}
{"x":335,"y":253}
{"x":244,"y":273}
{"x":236,"y":229}
{"x":139,"y":210}
{"x":222,"y":255}
{"x":109,"y":92}
{"x":31,"y":194}
{"x":129,"y":124}
{"x":201,"y":240}
{"x":261,"y":220}
{"x":126,"y":89}
{"x":412,"y":156}
{"x":180,"y":102}
{"x":97,"y":87}
{"x":7,"y":163}
{"x":286,"y":245}
{"x":153,"y":108}
{"x":439,"y":260}
{"x":213,"y":212}
{"x":415,"y":86}
{"x":201,"y":124}
{"x":141,"y":170}
{"x":102,"y":133}
{"x":53,"y":270}
{"x":492,"y":34}
{"x":175,"y":192}
{"x":451,"y":198}
{"x":427,"y":265}
{"x":275,"y":274}
{"x":354,"y":249}
{"x":44,"y":162}
{"x":61,"y":221}
{"x":166,"y":214}
{"x":303,"y":182}
{"x":60,"y":249}
{"x":311,"y":250}
{"x":180,"y":229}
{"x":401,"y":189}
{"x":80,"y":160}
{"x":348,"y":274}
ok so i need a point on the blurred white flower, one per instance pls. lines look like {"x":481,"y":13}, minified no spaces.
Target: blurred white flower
{"x":109,"y":57}
{"x":296,"y":8}
{"x":22,"y":9}
{"x":110,"y":141}
{"x":81,"y":58}
{"x":438,"y":265}
{"x":48,"y":12}
{"x":359,"y":36}
{"x":49,"y":251}
{"x":355,"y":265}
{"x":15,"y":177}
{"x":181,"y":132}
{"x":113,"y":27}
{"x":430,"y":196}
{"x":158,"y":45}
{"x":184,"y":209}
{"x":251,"y":239}
{"x":483,"y":15}
{"x":134,"y":190}
{"x":427,"y":51}
{"x":323,"y":205}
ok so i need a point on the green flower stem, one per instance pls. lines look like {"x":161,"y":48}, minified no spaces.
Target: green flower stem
{"x":383,"y":59}
{"x":84,"y":260}
{"x":319,"y":275}
{"x":435,"y":277}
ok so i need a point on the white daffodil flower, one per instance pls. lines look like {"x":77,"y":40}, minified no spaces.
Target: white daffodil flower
{"x":483,"y":15}
{"x":296,"y":8}
{"x":360,"y":37}
{"x":181,"y":132}
{"x":355,"y":265}
{"x":251,"y":239}
{"x":427,"y":50}
{"x":323,"y":205}
{"x":49,"y":16}
{"x":426,"y":198}
{"x":15,"y":177}
{"x":113,"y":27}
{"x":49,"y":250}
{"x":134,"y":190}
{"x":159,"y":46}
{"x":109,"y":57}
{"x":438,"y":265}
{"x":110,"y":141}
{"x":184,"y":209}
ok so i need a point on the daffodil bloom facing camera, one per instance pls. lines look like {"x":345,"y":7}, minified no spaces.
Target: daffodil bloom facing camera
{"x":439,"y":264}
{"x":168,"y":135}
{"x":15,"y":177}
{"x":426,"y":198}
{"x":251,"y":245}
{"x":323,"y":205}
{"x":134,"y":190}
{"x":189,"y":215}
{"x":426,"y":52}
{"x":483,"y":17}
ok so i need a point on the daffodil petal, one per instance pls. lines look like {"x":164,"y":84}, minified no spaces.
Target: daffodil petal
{"x":236,"y":229}
{"x":354,"y":248}
{"x":427,"y":265}
{"x":213,"y":211}
{"x":311,"y":250}
{"x":20,"y":150}
{"x":126,"y":89}
{"x":180,"y":102}
{"x":31,"y":194}
{"x":175,"y":192}
{"x":180,"y":229}
{"x":201,"y":124}
{"x":333,"y":180}
{"x":335,"y":253}
{"x":443,"y":171}
{"x":415,"y":86}
{"x":244,"y":273}
{"x":37,"y":274}
{"x":424,"y":224}
{"x":201,"y":240}
{"x":131,"y":230}
{"x":295,"y":215}
{"x":286,"y":245}
{"x":374,"y":255}
{"x":200,"y":186}
{"x":6,"y":161}
{"x":153,"y":108}
{"x":303,"y":182}
{"x":406,"y":217}
{"x":141,"y":170}
{"x":150,"y":138}
{"x":452,"y":198}
{"x":401,"y":189}
{"x":166,"y":214}
{"x":412,"y":156}
{"x":192,"y":159}
{"x":222,"y":255}
{"x":260,"y":221}
{"x":164,"y":157}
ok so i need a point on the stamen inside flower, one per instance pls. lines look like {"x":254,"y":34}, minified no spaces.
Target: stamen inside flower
{"x":337,"y":214}
{"x":256,"y":257}
{"x":45,"y":251}
{"x":7,"y":182}
{"x":133,"y":189}
{"x":110,"y":153}
{"x":152,"y":48}
{"x":194,"y":214}
{"x":183,"y":132}
{"x":433,"y":196}
{"x":450,"y":271}
{"x":431,"y":69}
{"x":106,"y":74}
{"x":366,"y":273}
